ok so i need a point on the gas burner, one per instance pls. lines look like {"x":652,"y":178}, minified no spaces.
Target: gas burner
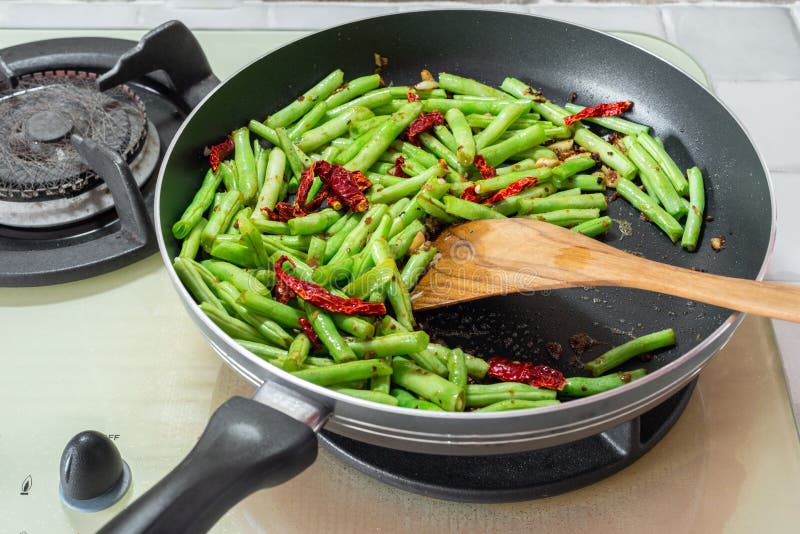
{"x":43,"y":180}
{"x":83,"y":124}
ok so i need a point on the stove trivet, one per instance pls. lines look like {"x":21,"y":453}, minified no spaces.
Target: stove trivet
{"x":43,"y":181}
{"x":514,"y":477}
{"x":80,"y":236}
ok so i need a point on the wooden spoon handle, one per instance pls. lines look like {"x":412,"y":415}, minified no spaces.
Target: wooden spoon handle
{"x":769,"y":299}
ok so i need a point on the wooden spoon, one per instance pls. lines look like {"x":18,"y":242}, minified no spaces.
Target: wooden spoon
{"x":500,"y":256}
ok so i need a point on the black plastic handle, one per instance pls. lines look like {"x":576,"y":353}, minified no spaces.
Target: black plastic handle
{"x":246,"y":446}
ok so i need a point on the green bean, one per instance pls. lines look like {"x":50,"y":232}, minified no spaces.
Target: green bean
{"x":665,"y":163}
{"x":355,"y":241}
{"x":566,"y":217}
{"x":694,"y":219}
{"x":339,"y":373}
{"x":401,"y":242}
{"x":230,"y":325}
{"x":407,"y":400}
{"x":241,"y":279}
{"x":262,"y":350}
{"x":314,"y":223}
{"x":274,"y":245}
{"x":298,"y":352}
{"x":416,"y":265}
{"x":466,"y":106}
{"x":353,"y":325}
{"x":283,"y":314}
{"x":317,"y":361}
{"x":366,"y":262}
{"x":267,"y":328}
{"x":574,"y":192}
{"x":585,"y":182}
{"x":425,"y":358}
{"x":621,"y":354}
{"x":323,"y":325}
{"x":252,"y":238}
{"x":444,"y":135}
{"x":369,"y":395}
{"x":383,"y":137}
{"x":300,"y":106}
{"x":233,"y":227}
{"x":265,"y":276}
{"x":434,"y":208}
{"x":462,"y":134}
{"x":521,"y":140}
{"x":457,"y":368}
{"x":200,"y":203}
{"x":546,"y":109}
{"x":373,"y":99}
{"x":308,"y":121}
{"x":396,"y":290}
{"x":265,"y":226}
{"x":517,"y":404}
{"x":570,"y":167}
{"x":510,"y":205}
{"x":653,"y":211}
{"x":657,"y":181}
{"x":390,"y":345}
{"x":478,"y":395}
{"x":608,"y":153}
{"x":427,"y":385}
{"x":477,"y":120}
{"x":536,"y":153}
{"x":496,"y":183}
{"x":359,"y":128}
{"x":316,"y":251}
{"x":563,"y":202}
{"x":441,"y":151}
{"x":580,"y":386}
{"x":612,"y":123}
{"x":247,"y":177}
{"x":469,"y":210}
{"x":501,"y":123}
{"x":347,"y":153}
{"x":192,"y":279}
{"x":264,"y":131}
{"x":352,"y":89}
{"x":191,"y":244}
{"x":384,"y":180}
{"x":338,"y":225}
{"x":408,"y":186}
{"x":335,"y":240}
{"x":330,"y":130}
{"x":401,"y":91}
{"x":476,"y":367}
{"x":594,"y":227}
{"x":468,"y":86}
{"x":235,"y":253}
{"x":221,"y":217}
{"x":411,"y":152}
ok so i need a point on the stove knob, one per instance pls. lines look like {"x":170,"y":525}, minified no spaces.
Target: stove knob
{"x":93,"y":474}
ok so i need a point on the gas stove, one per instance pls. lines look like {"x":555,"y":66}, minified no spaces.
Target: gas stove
{"x":121,"y":357}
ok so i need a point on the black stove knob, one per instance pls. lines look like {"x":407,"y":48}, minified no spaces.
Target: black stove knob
{"x":93,"y":474}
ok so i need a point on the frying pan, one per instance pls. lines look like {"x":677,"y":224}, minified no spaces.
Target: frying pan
{"x":252,"y":444}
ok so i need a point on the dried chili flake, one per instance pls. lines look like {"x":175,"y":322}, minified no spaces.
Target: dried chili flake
{"x":470,"y":194}
{"x":217,"y":153}
{"x":306,"y":179}
{"x":540,"y":376}
{"x":513,"y":189}
{"x":307,"y":330}
{"x":600,"y":110}
{"x":321,"y":297}
{"x":486,"y":170}
{"x":362,"y":182}
{"x":283,"y":212}
{"x":412,"y":97}
{"x":424,"y":122}
{"x":397,"y":170}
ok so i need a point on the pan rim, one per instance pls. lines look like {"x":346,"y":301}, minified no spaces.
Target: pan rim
{"x":339,"y":399}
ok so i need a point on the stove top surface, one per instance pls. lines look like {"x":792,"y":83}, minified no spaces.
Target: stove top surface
{"x":121,"y":356}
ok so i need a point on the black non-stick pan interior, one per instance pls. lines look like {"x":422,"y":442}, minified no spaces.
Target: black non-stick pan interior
{"x":560,"y":59}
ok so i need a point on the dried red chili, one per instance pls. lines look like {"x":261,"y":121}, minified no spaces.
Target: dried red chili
{"x":321,"y":297}
{"x":283,"y":212}
{"x":283,"y":293}
{"x":217,"y":153}
{"x":540,"y":376}
{"x":424,"y":122}
{"x":312,"y":336}
{"x":513,"y":189}
{"x":412,"y":97}
{"x":486,"y":170}
{"x":397,"y":170}
{"x":600,"y":110}
{"x":306,"y":179}
{"x":470,"y":194}
{"x":344,"y":186}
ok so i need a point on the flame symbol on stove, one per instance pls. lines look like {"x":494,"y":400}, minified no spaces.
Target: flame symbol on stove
{"x":27,"y":484}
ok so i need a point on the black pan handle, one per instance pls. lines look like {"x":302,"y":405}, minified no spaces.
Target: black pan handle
{"x":246,"y":446}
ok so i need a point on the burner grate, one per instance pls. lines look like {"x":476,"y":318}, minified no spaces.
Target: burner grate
{"x":37,"y":117}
